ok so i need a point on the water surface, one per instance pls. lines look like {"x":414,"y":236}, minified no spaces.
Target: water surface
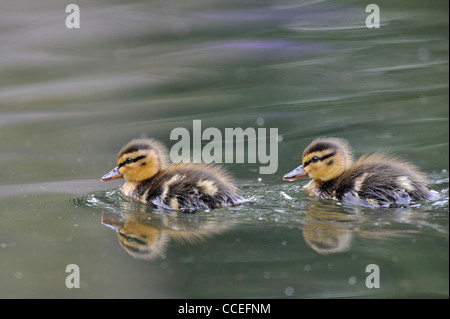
{"x":70,"y":98}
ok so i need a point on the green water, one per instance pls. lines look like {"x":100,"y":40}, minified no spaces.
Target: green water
{"x":70,"y":99}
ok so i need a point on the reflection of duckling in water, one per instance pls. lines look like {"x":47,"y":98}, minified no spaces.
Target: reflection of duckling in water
{"x":329,"y":229}
{"x":145,"y":236}
{"x":373,"y":181}
{"x":137,"y":238}
{"x":181,"y":187}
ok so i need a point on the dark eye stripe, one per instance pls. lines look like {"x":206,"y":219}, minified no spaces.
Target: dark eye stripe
{"x":319,"y":159}
{"x":130,"y":238}
{"x":133,"y":161}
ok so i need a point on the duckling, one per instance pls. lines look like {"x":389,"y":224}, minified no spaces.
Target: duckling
{"x":377,"y":180}
{"x":181,"y":187}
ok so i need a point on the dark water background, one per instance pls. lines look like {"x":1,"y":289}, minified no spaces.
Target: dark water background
{"x":70,"y":98}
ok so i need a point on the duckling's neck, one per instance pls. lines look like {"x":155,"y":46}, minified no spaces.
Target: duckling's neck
{"x":129,"y":188}
{"x":140,"y":189}
{"x":316,"y":188}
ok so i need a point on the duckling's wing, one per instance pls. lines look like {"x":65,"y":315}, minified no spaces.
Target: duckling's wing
{"x":392,"y":198}
{"x":380,"y":180}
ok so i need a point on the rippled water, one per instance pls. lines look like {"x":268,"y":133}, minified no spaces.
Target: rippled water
{"x":71,"y":98}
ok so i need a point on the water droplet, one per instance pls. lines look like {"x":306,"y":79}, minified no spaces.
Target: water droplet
{"x":352,"y":280}
{"x":283,"y":194}
{"x":423,"y":54}
{"x":289,"y":291}
{"x":260,"y":121}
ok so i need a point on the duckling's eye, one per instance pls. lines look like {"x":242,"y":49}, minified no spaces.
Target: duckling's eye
{"x":315,"y":159}
{"x":130,"y":160}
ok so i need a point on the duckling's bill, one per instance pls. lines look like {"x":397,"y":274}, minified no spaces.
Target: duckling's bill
{"x":296,"y":173}
{"x":113,"y":174}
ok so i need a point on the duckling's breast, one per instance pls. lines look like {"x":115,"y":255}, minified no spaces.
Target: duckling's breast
{"x":129,"y":189}
{"x":136,"y":191}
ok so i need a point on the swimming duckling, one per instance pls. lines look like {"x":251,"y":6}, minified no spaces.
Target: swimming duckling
{"x":374,"y":180}
{"x":180,"y":187}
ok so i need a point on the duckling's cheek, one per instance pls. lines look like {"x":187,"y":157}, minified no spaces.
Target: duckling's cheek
{"x":309,"y":171}
{"x":131,"y":173}
{"x":124,"y":172}
{"x":134,"y":175}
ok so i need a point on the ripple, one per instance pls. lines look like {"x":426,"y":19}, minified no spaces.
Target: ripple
{"x":106,"y":199}
{"x":283,"y":203}
{"x":261,"y":50}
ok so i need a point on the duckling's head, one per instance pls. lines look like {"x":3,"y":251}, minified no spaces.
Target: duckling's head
{"x":139,"y":160}
{"x":323,"y":160}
